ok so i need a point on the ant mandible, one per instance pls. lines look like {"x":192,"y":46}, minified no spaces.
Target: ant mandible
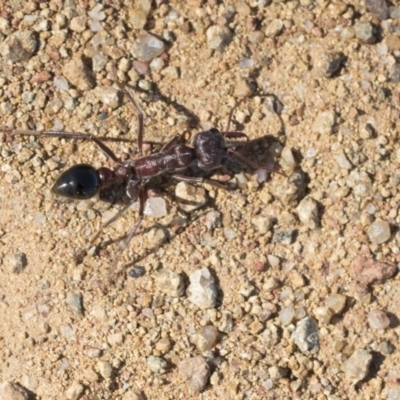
{"x":82,"y":181}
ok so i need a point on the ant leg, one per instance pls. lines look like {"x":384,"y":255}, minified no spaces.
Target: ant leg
{"x":79,"y":257}
{"x":235,"y":135}
{"x":192,"y":179}
{"x":140,"y":114}
{"x":231,"y":114}
{"x":71,"y":135}
{"x":253,"y":164}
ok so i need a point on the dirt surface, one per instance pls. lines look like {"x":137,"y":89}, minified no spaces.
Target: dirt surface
{"x":303,"y":292}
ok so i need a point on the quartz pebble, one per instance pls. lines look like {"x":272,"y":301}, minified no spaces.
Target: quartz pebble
{"x":356,"y":367}
{"x":171,"y":283}
{"x":74,"y":301}
{"x":324,"y":122}
{"x":274,"y":28}
{"x":155,"y":207}
{"x":393,"y":393}
{"x":105,"y":369}
{"x":308,"y":212}
{"x":190,"y":197}
{"x":108,"y":95}
{"x":13,"y":391}
{"x":202,"y":290}
{"x":157,"y":364}
{"x":378,"y":319}
{"x":379,"y":232}
{"x":365,"y":31}
{"x":74,"y":391}
{"x":287,"y":161}
{"x":213,"y":220}
{"x":218,"y":37}
{"x":263,"y":224}
{"x":336,"y":302}
{"x":148,"y":47}
{"x":306,"y":335}
{"x":205,"y":338}
{"x":195,"y":371}
{"x":286,"y":315}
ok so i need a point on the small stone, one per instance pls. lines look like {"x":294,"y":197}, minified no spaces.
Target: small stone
{"x":78,"y":24}
{"x":274,"y":28}
{"x":156,"y":236}
{"x":97,"y":13}
{"x":284,"y":237}
{"x":157,"y":364}
{"x":360,"y":182}
{"x":218,"y":37}
{"x":365,"y":32}
{"x":324,"y":122}
{"x":306,"y":335}
{"x":343,"y":161}
{"x":378,"y":319}
{"x":20,"y":46}
{"x":133,"y":395}
{"x":164,"y":345}
{"x":171,"y":283}
{"x":286,"y":315}
{"x":226,"y":322}
{"x":79,"y":74}
{"x":263,"y":224}
{"x":105,"y":369}
{"x":323,"y":315}
{"x":155,"y":207}
{"x":213,"y":220}
{"x":378,"y":8}
{"x":108,"y":95}
{"x":202,"y":290}
{"x":205,"y":338}
{"x":115,"y":339}
{"x":74,"y":391}
{"x":326,"y":64}
{"x":395,"y":72}
{"x":60,"y":83}
{"x":15,"y":263}
{"x":308,"y":212}
{"x":195,"y":371}
{"x":336,"y":302}
{"x":357,"y":366}
{"x":367,"y":271}
{"x":74,"y":301}
{"x":157,"y":64}
{"x":13,"y":391}
{"x":137,"y":272}
{"x":148,"y":47}
{"x":289,"y":190}
{"x":190,"y":197}
{"x":92,"y":352}
{"x":287,"y":160}
{"x":379,"y":232}
{"x":393,"y":393}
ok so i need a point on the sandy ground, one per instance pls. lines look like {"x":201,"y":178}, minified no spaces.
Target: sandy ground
{"x":322,"y":105}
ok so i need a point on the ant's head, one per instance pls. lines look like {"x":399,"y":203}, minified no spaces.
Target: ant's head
{"x":79,"y":182}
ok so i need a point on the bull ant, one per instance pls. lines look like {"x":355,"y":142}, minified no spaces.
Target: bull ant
{"x":208,"y":150}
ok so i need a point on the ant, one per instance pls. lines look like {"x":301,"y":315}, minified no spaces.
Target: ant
{"x":208,"y":150}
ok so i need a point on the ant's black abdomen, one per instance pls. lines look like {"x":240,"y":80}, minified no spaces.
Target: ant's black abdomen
{"x":79,"y":182}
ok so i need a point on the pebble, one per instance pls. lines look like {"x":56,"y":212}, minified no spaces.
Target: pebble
{"x":205,"y":338}
{"x":379,"y":232}
{"x":108,"y":95}
{"x":213,"y":220}
{"x":308,"y":212}
{"x":378,"y":8}
{"x":364,"y":32}
{"x":133,"y":395}
{"x":323,"y":315}
{"x":306,"y":335}
{"x":157,"y":364}
{"x":324,"y":122}
{"x":137,"y":272}
{"x":97,"y":13}
{"x":148,"y":47}
{"x":155,"y":207}
{"x":195,"y":372}
{"x":287,"y":160}
{"x":79,"y":74}
{"x":202,"y":290}
{"x":394,"y":72}
{"x":19,"y":46}
{"x":105,"y":369}
{"x":367,"y":271}
{"x":289,"y":191}
{"x":190,"y":197}
{"x":336,"y":302}
{"x":218,"y":37}
{"x":357,"y":366}
{"x":74,"y":391}
{"x":226,"y":322}
{"x":15,"y":263}
{"x":286,"y":315}
{"x":115,"y":339}
{"x":13,"y":391}
{"x":263,"y":224}
{"x":157,"y":235}
{"x":74,"y":301}
{"x":60,"y":83}
{"x":386,"y":348}
{"x":284,"y":237}
{"x":343,"y":161}
{"x":171,"y":283}
{"x":157,"y":64}
{"x":274,"y":28}
{"x":378,"y":319}
{"x":360,"y":182}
